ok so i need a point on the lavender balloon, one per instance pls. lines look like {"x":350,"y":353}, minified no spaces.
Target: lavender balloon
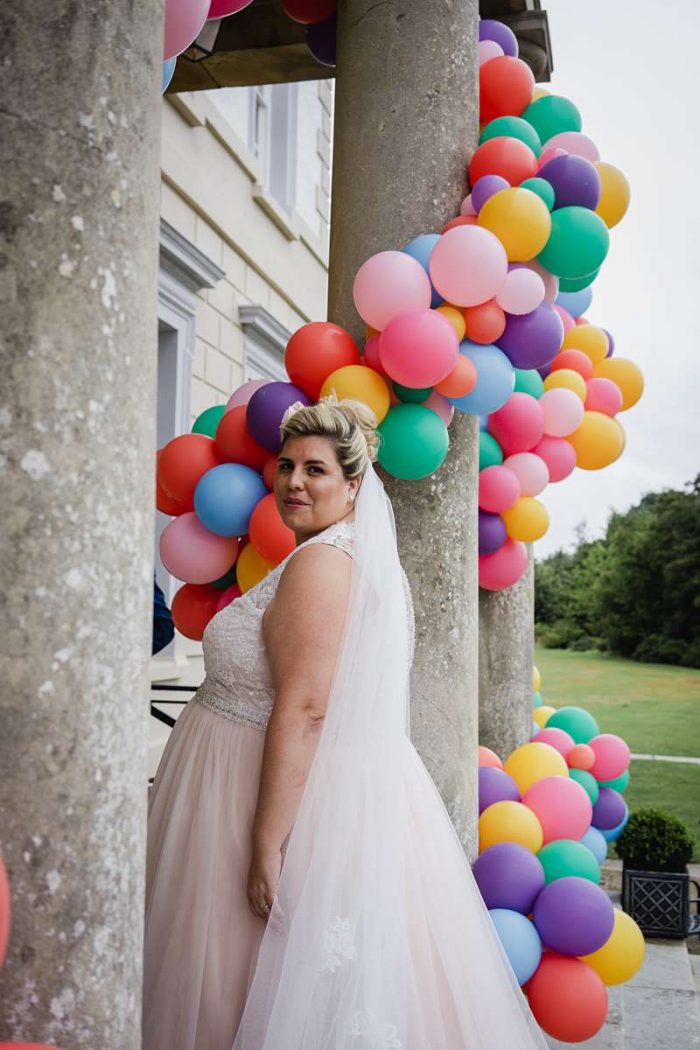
{"x":611,"y":343}
{"x":320,"y":40}
{"x":266,"y":408}
{"x":492,"y":535}
{"x":495,"y":785}
{"x":609,"y":810}
{"x":490,"y":29}
{"x":574,"y":181}
{"x":532,"y":340}
{"x":485,"y":187}
{"x":509,"y":876}
{"x":573,"y":916}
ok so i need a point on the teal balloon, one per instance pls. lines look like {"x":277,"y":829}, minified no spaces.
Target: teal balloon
{"x":413,"y":442}
{"x":543,"y":189}
{"x":578,"y":243}
{"x":227,"y":580}
{"x":588,"y":782}
{"x":537,"y":700}
{"x":514,"y":128}
{"x":566,"y":857}
{"x":529,"y":381}
{"x":575,"y":721}
{"x":620,"y":783}
{"x":412,"y":395}
{"x":167,"y":74}
{"x":208,"y":420}
{"x":577,"y":284}
{"x":552,"y":114}
{"x":490,"y":452}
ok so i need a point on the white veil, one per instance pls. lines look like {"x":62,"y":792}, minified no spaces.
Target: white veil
{"x":378,"y":938}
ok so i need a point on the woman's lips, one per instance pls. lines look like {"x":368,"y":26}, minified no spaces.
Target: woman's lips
{"x":295,"y":503}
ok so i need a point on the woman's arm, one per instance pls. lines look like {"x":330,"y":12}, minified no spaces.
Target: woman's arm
{"x":302,"y":628}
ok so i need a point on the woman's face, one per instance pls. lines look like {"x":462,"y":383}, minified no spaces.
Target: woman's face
{"x":311,"y":490}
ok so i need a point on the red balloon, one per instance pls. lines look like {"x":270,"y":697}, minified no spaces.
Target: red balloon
{"x":309,"y":12}
{"x":519,"y":425}
{"x":568,"y":998}
{"x":314,"y":351}
{"x":485,"y":323}
{"x":576,"y":360}
{"x":236,"y":444}
{"x":268,"y":533}
{"x":499,"y":488}
{"x":503,"y":568}
{"x":193,"y":607}
{"x":461,"y":220}
{"x":5,"y":910}
{"x":371,"y":356}
{"x":181,"y":464}
{"x":504,"y":156}
{"x":505,"y":88}
{"x":269,"y":471}
{"x":165,"y":503}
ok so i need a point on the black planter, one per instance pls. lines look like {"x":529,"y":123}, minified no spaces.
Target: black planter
{"x":657,"y":901}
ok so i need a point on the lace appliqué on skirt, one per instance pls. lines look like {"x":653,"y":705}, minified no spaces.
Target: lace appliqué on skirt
{"x":338,"y":944}
{"x":374,"y":1035}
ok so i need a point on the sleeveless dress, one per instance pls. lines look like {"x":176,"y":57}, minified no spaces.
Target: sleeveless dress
{"x":201,"y":939}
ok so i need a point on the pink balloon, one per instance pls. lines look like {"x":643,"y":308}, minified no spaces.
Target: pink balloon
{"x":521,"y":292}
{"x":562,"y":807}
{"x":602,"y":395}
{"x":223,"y":8}
{"x":388,"y":284}
{"x":612,"y":756}
{"x":183,"y":23}
{"x":418,"y":348}
{"x":566,"y":318}
{"x":563,"y":411}
{"x":531,"y":471}
{"x":519,"y":424}
{"x":489,"y":49}
{"x":228,"y":596}
{"x":194,"y":554}
{"x":549,"y":154}
{"x":244,"y":393}
{"x":574,"y":142}
{"x":371,"y":356}
{"x":559,"y":456}
{"x":466,"y":207}
{"x":444,"y":408}
{"x":559,"y":739}
{"x":468,"y":265}
{"x":551,"y":283}
{"x":505,"y":567}
{"x":498,"y":489}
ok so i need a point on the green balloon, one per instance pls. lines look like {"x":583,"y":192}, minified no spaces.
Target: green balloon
{"x":575,"y":284}
{"x":552,"y":114}
{"x":208,"y":420}
{"x":566,"y":857}
{"x":412,"y":395}
{"x":514,"y":128}
{"x":413,"y":442}
{"x":575,"y":721}
{"x":537,"y":699}
{"x":578,"y":243}
{"x":490,"y":452}
{"x":588,"y":782}
{"x":227,"y":580}
{"x":529,"y":381}
{"x":620,"y":783}
{"x":543,"y":189}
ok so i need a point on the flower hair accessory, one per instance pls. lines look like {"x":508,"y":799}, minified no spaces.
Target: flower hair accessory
{"x":292,"y":411}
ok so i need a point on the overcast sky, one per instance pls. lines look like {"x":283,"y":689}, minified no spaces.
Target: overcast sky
{"x":632,"y":69}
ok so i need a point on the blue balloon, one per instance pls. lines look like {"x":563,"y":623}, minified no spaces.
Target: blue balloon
{"x":613,"y":834}
{"x":483,"y":422}
{"x":575,"y":303}
{"x":494,"y":383}
{"x":167,"y":74}
{"x":226,"y":496}
{"x":520,"y":941}
{"x":421,"y":248}
{"x":595,"y":841}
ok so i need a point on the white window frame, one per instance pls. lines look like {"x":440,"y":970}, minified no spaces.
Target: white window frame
{"x":265,"y":340}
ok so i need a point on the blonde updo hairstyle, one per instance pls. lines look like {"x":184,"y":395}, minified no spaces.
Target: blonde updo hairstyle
{"x":349,"y":424}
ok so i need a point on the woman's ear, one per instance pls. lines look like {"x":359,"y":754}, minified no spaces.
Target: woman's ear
{"x":353,"y":486}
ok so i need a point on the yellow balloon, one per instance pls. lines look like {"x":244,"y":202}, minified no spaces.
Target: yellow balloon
{"x":527,"y":520}
{"x":598,"y":442}
{"x":361,"y":384}
{"x":614,"y":194}
{"x":510,"y":822}
{"x":589,"y":338}
{"x":542,"y":713}
{"x":521,"y":221}
{"x":626,"y":374}
{"x":456,"y":319}
{"x":533,"y":762}
{"x":568,"y":379}
{"x":622,"y":954}
{"x":251,"y":568}
{"x":539,"y":92}
{"x":536,"y":679}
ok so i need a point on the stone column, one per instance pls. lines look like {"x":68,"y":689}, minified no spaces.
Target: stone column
{"x":406,"y":121}
{"x":80,"y":122}
{"x":506,"y":656}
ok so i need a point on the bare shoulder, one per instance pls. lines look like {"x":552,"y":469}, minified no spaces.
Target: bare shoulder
{"x":318,"y":569}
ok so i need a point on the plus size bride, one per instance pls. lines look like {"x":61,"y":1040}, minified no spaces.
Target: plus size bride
{"x":305,"y":887}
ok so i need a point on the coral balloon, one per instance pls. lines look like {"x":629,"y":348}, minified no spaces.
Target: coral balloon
{"x":567,"y":379}
{"x":236,"y":444}
{"x":519,"y":425}
{"x":558,"y":455}
{"x":360,"y":384}
{"x":568,"y":998}
{"x":509,"y":822}
{"x":562,"y":411}
{"x":507,"y":157}
{"x":419,"y":348}
{"x":251,"y":568}
{"x":192,"y":553}
{"x":614,"y":194}
{"x":503,"y":568}
{"x":167,"y":505}
{"x":487,"y":757}
{"x":626,"y":375}
{"x":390,"y":283}
{"x":612,"y":756}
{"x":532,"y":762}
{"x":522,"y":223}
{"x":192,"y":609}
{"x":272,"y":539}
{"x":527,"y":520}
{"x":622,"y":954}
{"x":530,"y":470}
{"x":561,"y":805}
{"x":573,"y":361}
{"x":505,"y":87}
{"x":522,"y":291}
{"x":314,"y":351}
{"x":461,"y":380}
{"x":581,"y":756}
{"x":499,"y":489}
{"x":598,"y":441}
{"x":484,"y":323}
{"x":181,"y":464}
{"x":602,"y":395}
{"x":468,"y":266}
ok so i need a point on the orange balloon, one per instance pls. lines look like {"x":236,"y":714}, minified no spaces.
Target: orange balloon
{"x":314,"y":351}
{"x":251,"y":567}
{"x":461,"y":220}
{"x":268,"y":533}
{"x":575,"y":360}
{"x":193,"y":607}
{"x":235,"y":442}
{"x":461,"y":380}
{"x":487,"y":757}
{"x":485,"y":323}
{"x":567,"y":997}
{"x":181,"y":464}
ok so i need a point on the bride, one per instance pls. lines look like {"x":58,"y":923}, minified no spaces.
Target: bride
{"x":305,"y":887}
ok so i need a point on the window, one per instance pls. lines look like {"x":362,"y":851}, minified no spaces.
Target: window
{"x":265,"y":342}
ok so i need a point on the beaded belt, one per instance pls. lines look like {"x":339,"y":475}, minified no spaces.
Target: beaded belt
{"x":228,"y":709}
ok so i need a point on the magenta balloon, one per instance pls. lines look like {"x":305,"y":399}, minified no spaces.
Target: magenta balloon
{"x":534,"y":339}
{"x":495,"y":785}
{"x":183,"y":22}
{"x":194,"y":554}
{"x":223,"y":8}
{"x":504,"y":568}
{"x":603,"y":395}
{"x":530,"y":470}
{"x":573,"y":916}
{"x":418,"y":348}
{"x":612,"y":756}
{"x":561,"y":805}
{"x":519,"y":425}
{"x":468,"y":265}
{"x":498,"y":489}
{"x":509,"y":876}
{"x":559,"y":739}
{"x":228,"y":596}
{"x":388,"y":284}
{"x":559,"y":456}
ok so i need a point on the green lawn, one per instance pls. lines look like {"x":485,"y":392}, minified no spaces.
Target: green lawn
{"x":655,"y":708}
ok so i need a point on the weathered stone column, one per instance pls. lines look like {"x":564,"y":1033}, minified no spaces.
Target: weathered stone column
{"x":406,"y":121}
{"x":80,"y":122}
{"x":506,"y":656}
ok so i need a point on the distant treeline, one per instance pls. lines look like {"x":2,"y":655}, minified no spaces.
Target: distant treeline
{"x":636,"y":592}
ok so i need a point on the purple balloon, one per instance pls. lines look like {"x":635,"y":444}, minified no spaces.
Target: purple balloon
{"x":609,"y":810}
{"x":509,"y":876}
{"x":266,"y":408}
{"x":532,"y":340}
{"x":544,"y":371}
{"x":320,"y":40}
{"x":495,"y":785}
{"x":574,"y":181}
{"x":485,"y":187}
{"x":573,"y":916}
{"x":611,"y":343}
{"x":492,"y":532}
{"x":490,"y":29}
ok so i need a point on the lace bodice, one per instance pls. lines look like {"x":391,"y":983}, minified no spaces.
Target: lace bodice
{"x":238,"y":682}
